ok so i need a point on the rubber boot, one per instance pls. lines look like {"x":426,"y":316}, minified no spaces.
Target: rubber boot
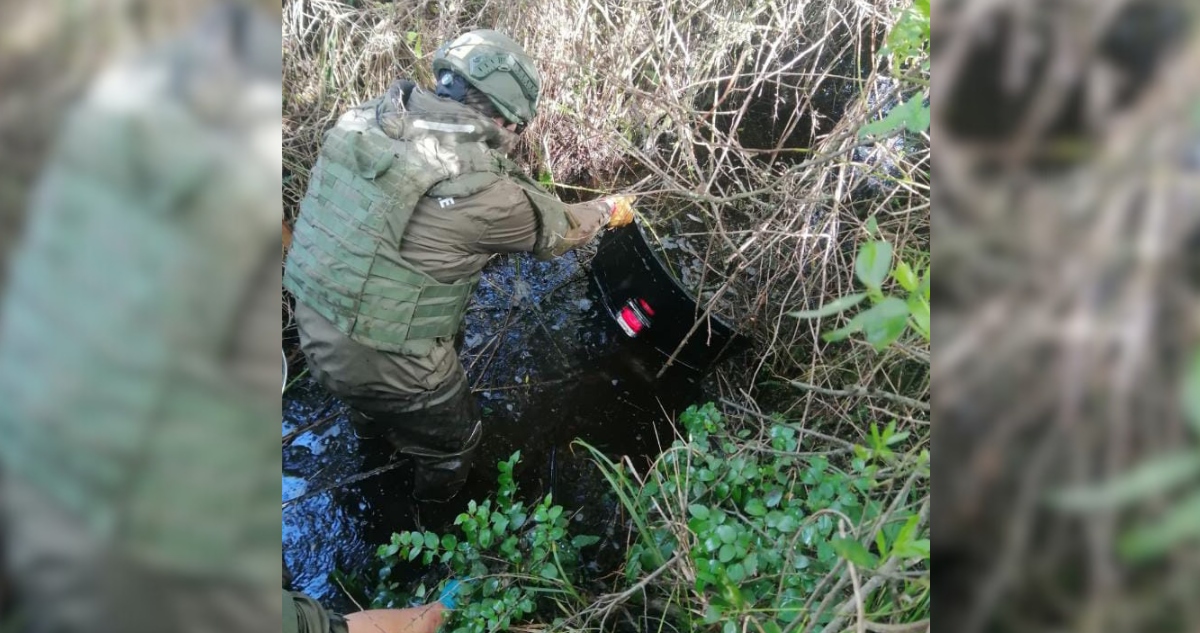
{"x":438,"y":476}
{"x":365,"y":426}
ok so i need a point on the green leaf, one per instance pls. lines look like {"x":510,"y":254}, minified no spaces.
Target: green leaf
{"x":582,"y":541}
{"x":912,"y":115}
{"x":736,"y":572}
{"x":774,"y":497}
{"x":854,"y":552}
{"x":499,"y":523}
{"x":837,"y":306}
{"x":912,"y":549}
{"x":698,"y":511}
{"x":756,"y":508}
{"x":751,"y":564}
{"x":549,"y":572}
{"x":873,"y":263}
{"x":788,"y":524}
{"x":518,"y":519}
{"x":881,"y":543}
{"x":726,"y":533}
{"x":872,"y":226}
{"x":431,"y":540}
{"x":855,"y":325}
{"x":726,"y":553}
{"x":918,"y":307}
{"x":729,"y":627}
{"x":919,"y":119}
{"x":1191,"y":393}
{"x":906,"y":545}
{"x":891,"y":122}
{"x":414,"y":40}
{"x":449,"y":541}
{"x":1180,"y":525}
{"x":885,"y":322}
{"x":905,"y":276}
{"x":1158,"y":475}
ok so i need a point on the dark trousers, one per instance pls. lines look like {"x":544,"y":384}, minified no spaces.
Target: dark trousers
{"x":441,"y":439}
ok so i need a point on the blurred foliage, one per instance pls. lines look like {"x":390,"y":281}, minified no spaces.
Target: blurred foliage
{"x":1175,"y":474}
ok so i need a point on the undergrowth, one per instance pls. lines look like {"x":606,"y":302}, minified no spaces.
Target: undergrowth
{"x":743,"y":524}
{"x":511,"y":555}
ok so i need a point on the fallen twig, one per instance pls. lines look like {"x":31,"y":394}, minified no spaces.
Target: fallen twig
{"x":861,"y":391}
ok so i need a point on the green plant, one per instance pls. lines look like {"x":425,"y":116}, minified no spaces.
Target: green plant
{"x":414,"y":42}
{"x":908,"y":47}
{"x":511,"y":554}
{"x":881,"y":443}
{"x":913,"y":115}
{"x":760,"y":527}
{"x":908,"y":41}
{"x":889,"y":315}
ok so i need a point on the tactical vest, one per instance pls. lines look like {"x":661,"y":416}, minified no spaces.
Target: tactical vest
{"x":373,"y":168}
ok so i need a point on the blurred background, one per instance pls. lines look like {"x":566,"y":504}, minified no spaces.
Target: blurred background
{"x":139,"y":294}
{"x":1067,"y":227}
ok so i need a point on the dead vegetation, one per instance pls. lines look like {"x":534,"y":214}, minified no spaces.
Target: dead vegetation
{"x":737,"y":123}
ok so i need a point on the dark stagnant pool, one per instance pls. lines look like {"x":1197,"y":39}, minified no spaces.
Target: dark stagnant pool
{"x":548,"y":364}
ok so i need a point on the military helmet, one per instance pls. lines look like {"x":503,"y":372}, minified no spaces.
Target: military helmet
{"x":498,"y":67}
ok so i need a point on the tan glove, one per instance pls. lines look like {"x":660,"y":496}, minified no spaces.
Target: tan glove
{"x":622,"y":211}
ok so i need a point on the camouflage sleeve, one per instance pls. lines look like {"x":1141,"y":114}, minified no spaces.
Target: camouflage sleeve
{"x":302,"y":614}
{"x":521,"y":217}
{"x":560,"y":226}
{"x":512,"y":223}
{"x":589,"y":218}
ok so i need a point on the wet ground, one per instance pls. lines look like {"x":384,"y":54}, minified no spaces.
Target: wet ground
{"x":548,"y":364}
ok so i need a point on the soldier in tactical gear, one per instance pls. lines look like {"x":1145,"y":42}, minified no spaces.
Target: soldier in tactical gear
{"x":411,"y":195}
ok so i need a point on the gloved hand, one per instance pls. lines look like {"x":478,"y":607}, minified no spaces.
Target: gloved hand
{"x":447,"y":599}
{"x":622,"y":211}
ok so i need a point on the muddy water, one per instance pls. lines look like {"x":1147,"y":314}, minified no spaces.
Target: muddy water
{"x":548,"y":365}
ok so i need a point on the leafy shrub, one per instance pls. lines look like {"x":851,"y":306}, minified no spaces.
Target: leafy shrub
{"x":507,"y":553}
{"x":885,"y":321}
{"x":763,"y":524}
{"x":909,"y":49}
